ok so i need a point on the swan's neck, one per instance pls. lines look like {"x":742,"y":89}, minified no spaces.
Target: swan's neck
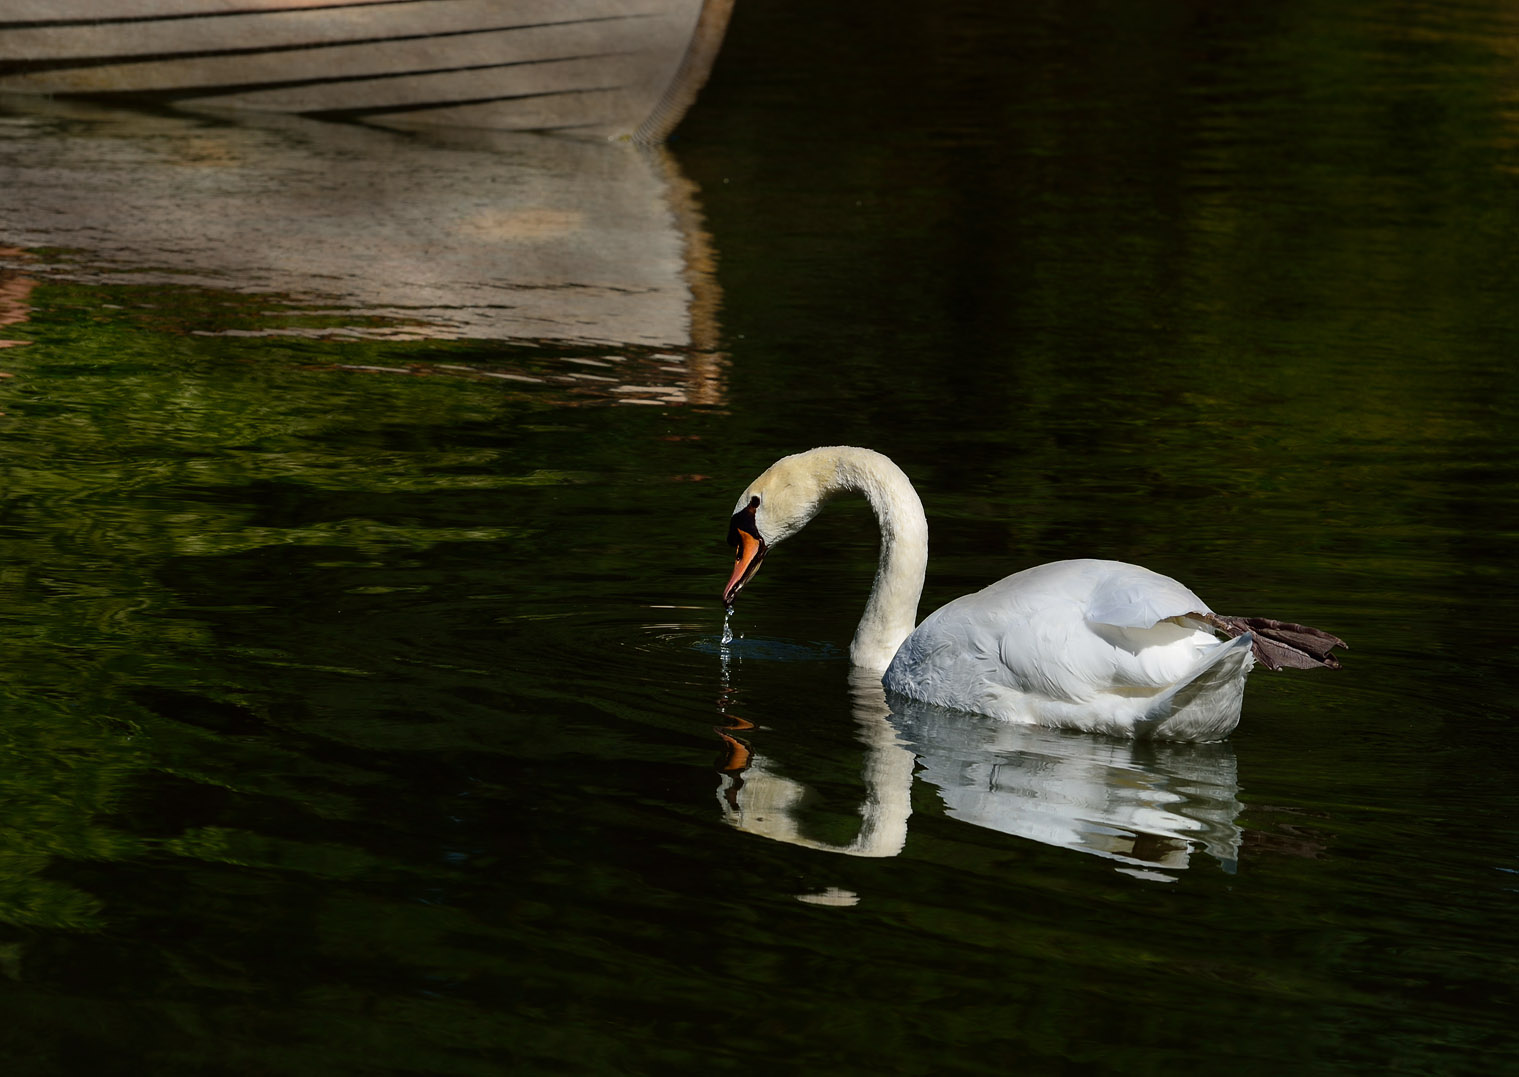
{"x":891,"y":612}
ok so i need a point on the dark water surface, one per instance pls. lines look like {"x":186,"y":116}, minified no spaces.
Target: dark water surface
{"x":364,"y":698}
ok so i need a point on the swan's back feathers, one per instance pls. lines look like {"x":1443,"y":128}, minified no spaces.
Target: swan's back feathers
{"x":1129,"y":596}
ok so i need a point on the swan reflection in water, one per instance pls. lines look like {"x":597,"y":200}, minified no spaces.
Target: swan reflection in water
{"x":1146,"y":806}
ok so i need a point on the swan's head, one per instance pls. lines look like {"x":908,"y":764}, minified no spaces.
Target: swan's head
{"x":776,"y":506}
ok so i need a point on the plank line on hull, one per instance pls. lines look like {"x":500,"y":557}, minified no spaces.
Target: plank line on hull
{"x":75,"y":13}
{"x":370,"y":111}
{"x":587,"y":111}
{"x":406,"y":94}
{"x":373,"y":59}
{"x":251,"y":92}
{"x":26,"y":51}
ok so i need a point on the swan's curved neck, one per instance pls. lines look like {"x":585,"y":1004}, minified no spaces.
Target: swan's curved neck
{"x":891,"y":612}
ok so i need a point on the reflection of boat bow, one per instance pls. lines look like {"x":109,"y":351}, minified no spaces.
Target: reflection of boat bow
{"x":601,"y":67}
{"x":593,"y":248}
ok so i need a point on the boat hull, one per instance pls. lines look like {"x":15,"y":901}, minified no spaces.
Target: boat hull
{"x":607,"y":68}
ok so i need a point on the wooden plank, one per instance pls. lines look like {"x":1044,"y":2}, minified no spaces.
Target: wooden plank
{"x":364,"y":96}
{"x":418,"y":20}
{"x":58,"y":11}
{"x":331,"y":63}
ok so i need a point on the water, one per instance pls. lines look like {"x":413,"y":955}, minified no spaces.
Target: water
{"x":368,"y":703}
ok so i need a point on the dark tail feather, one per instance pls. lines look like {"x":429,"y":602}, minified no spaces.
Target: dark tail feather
{"x":1282,"y":644}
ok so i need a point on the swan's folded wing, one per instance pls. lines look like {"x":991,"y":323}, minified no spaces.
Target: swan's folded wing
{"x":1130,"y":596}
{"x":1063,"y":631}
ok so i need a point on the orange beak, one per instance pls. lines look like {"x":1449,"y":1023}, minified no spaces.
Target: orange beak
{"x":746,"y":562}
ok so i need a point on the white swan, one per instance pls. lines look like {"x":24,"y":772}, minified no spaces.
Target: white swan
{"x":1101,"y":646}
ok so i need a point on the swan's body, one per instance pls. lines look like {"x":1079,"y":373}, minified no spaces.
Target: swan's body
{"x":1092,"y":645}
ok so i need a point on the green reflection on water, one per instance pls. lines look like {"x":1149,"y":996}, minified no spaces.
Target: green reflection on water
{"x":240,"y":699}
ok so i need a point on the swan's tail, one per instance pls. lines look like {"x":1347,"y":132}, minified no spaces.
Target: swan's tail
{"x":1204,"y":704}
{"x":1282,"y":644}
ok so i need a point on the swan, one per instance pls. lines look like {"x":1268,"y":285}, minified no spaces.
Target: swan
{"x":1092,"y":645}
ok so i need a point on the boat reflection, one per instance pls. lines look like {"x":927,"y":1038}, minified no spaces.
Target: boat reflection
{"x":593,"y":253}
{"x":1148,"y":807}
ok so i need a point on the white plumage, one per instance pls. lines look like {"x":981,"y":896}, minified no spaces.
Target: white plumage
{"x":1095,"y":645}
{"x":1101,"y":646}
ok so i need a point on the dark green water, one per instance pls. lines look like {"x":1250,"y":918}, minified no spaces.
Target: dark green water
{"x":362,"y":674}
